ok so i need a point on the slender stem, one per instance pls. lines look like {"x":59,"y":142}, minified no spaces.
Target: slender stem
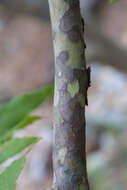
{"x":71,"y":84}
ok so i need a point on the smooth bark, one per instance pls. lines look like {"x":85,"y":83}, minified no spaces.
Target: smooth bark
{"x":71,"y":83}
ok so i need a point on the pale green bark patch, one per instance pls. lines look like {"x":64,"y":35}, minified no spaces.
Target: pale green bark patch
{"x":81,"y":100}
{"x":73,"y":88}
{"x":56,"y":97}
{"x":57,"y":8}
{"x":74,"y":49}
{"x":62,"y":155}
{"x":60,"y":74}
{"x":61,"y":120}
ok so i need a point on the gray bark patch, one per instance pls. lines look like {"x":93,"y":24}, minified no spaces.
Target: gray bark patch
{"x":74,"y":34}
{"x":70,"y":25}
{"x":63,"y":57}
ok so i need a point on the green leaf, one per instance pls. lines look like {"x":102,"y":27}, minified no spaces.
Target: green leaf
{"x":27,"y":121}
{"x":21,"y":125}
{"x":113,"y":1}
{"x":14,"y":146}
{"x":12,"y":113}
{"x":9,"y":176}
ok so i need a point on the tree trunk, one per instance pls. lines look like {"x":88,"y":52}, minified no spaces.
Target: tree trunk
{"x":71,"y":84}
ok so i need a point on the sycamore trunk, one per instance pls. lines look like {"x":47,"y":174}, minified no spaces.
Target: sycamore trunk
{"x":71,"y":84}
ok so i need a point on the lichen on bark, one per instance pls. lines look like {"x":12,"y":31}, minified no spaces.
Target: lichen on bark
{"x":71,"y":84}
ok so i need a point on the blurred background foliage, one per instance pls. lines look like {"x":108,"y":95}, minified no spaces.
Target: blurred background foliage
{"x":26,"y":63}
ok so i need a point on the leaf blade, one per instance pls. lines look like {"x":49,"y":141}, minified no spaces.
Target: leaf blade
{"x":9,"y":176}
{"x":14,"y":146}
{"x":21,"y":106}
{"x":21,"y":125}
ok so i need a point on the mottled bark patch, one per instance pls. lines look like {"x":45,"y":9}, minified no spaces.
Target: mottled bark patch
{"x":71,"y":81}
{"x":70,"y":25}
{"x":68,"y":20}
{"x":63,"y":57}
{"x":74,"y":34}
